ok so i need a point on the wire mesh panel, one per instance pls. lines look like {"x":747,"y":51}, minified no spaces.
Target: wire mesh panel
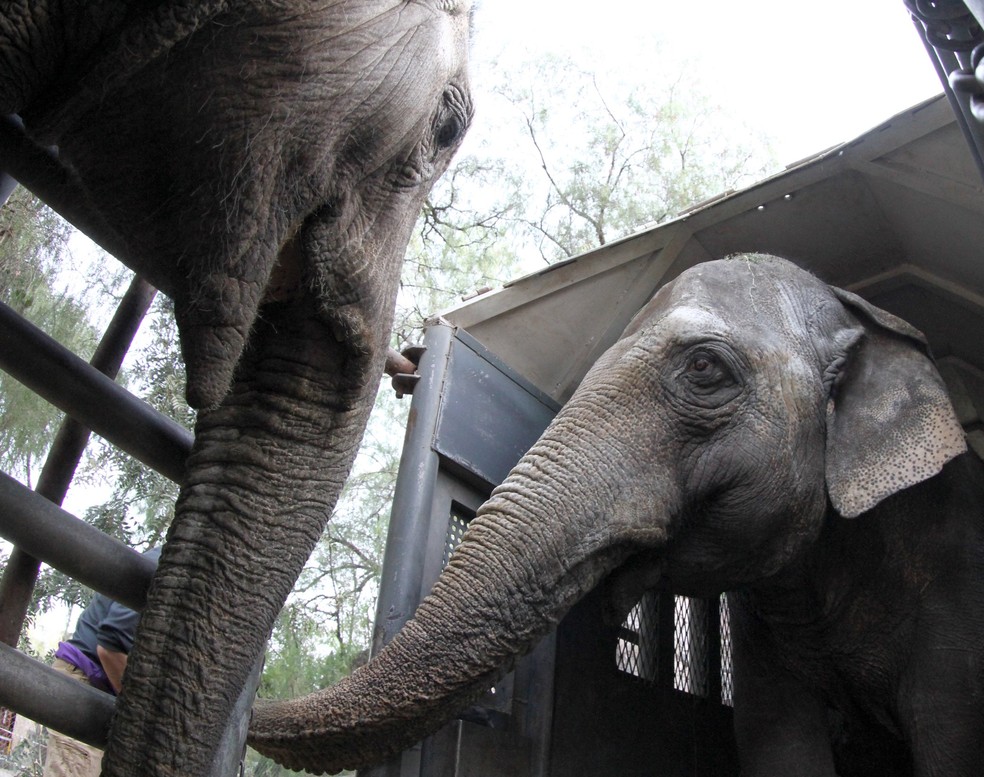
{"x":727,"y":684}
{"x":7,"y":720}
{"x":690,"y":654}
{"x":457,"y":523}
{"x":693,"y":660}
{"x":637,"y":651}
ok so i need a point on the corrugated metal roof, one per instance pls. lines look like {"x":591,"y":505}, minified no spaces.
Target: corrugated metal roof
{"x":896,"y":215}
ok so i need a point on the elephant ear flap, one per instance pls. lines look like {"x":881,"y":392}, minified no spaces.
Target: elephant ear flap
{"x":890,"y":423}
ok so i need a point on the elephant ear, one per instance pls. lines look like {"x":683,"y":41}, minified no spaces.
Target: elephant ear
{"x":890,"y":423}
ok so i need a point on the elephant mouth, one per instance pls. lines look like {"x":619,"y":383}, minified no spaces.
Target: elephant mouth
{"x":218,"y":311}
{"x":287,"y":277}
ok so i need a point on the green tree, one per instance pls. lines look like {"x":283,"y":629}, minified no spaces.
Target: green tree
{"x":616,"y":156}
{"x":604,"y":154}
{"x":563,"y":160}
{"x":140,"y":504}
{"x":33,"y":244}
{"x":27,"y":757}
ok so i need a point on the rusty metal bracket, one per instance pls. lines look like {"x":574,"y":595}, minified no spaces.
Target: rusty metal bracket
{"x":953,"y":33}
{"x":404,"y":368}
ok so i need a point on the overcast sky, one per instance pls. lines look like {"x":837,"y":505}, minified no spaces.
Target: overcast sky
{"x":807,"y":77}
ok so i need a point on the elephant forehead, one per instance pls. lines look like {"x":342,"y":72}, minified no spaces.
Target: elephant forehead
{"x":767,"y":336}
{"x":757,"y":325}
{"x":689,"y":318}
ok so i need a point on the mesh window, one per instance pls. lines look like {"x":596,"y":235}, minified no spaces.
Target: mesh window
{"x":636,"y":653}
{"x":690,"y":655}
{"x":727,"y":687}
{"x":7,"y":719}
{"x":457,"y":523}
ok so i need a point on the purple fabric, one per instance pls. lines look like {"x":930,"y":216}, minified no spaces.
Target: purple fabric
{"x":93,"y":671}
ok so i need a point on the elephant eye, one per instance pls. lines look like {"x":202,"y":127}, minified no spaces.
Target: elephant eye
{"x":701,"y":365}
{"x":453,"y":118}
{"x":706,"y":370}
{"x":449,"y":132}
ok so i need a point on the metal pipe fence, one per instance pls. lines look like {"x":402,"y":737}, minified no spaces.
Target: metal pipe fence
{"x":33,"y":520}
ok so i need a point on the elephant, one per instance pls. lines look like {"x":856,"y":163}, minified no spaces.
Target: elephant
{"x":753,"y":431}
{"x":262,"y":162}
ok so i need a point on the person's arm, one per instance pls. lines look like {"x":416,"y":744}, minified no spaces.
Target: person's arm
{"x":113,"y":664}
{"x":114,"y":640}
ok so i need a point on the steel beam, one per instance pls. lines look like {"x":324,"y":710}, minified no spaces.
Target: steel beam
{"x":58,"y":538}
{"x":39,"y":170}
{"x":21,"y":572}
{"x":52,"y":699}
{"x":65,"y":380}
{"x":403,"y":560}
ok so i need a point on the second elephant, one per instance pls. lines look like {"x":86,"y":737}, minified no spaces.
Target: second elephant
{"x":754,"y":431}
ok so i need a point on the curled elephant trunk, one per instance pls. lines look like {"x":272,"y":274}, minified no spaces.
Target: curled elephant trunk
{"x":515,"y":574}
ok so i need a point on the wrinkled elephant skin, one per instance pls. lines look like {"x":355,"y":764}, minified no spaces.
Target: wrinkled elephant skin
{"x":264,"y":164}
{"x":754,"y":431}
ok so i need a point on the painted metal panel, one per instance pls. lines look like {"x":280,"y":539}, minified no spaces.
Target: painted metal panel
{"x":489,"y":416}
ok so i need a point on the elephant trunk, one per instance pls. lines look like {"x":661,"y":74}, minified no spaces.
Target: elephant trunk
{"x":259,"y":488}
{"x":544,"y":539}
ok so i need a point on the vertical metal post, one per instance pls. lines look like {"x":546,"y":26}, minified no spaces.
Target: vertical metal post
{"x":406,"y":542}
{"x":229,"y":757}
{"x":712,"y":626}
{"x":39,"y":170}
{"x":666,"y":636}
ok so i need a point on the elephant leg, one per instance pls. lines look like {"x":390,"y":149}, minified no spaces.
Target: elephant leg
{"x":940,"y":708}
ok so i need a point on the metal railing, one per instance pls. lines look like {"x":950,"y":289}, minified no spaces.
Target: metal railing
{"x":953,"y":33}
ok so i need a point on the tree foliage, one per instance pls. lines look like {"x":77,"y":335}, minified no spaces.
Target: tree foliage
{"x":139,"y":505}
{"x":615,"y":155}
{"x":33,"y":245}
{"x":563,"y":160}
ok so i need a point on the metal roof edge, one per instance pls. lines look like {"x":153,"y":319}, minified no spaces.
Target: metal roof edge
{"x":906,"y":125}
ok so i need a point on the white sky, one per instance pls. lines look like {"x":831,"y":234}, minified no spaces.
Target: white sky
{"x":807,"y":74}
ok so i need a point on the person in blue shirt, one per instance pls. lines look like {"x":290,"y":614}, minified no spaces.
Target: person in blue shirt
{"x":96,"y":654}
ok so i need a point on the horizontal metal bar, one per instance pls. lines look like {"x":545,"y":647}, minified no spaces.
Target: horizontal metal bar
{"x":40,"y":693}
{"x":21,"y":572}
{"x":51,"y":370}
{"x":39,"y":170}
{"x":61,"y":540}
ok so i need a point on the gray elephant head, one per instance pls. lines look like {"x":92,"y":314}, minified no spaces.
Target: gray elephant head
{"x":263,"y":163}
{"x":743,"y":406}
{"x":247,"y":153}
